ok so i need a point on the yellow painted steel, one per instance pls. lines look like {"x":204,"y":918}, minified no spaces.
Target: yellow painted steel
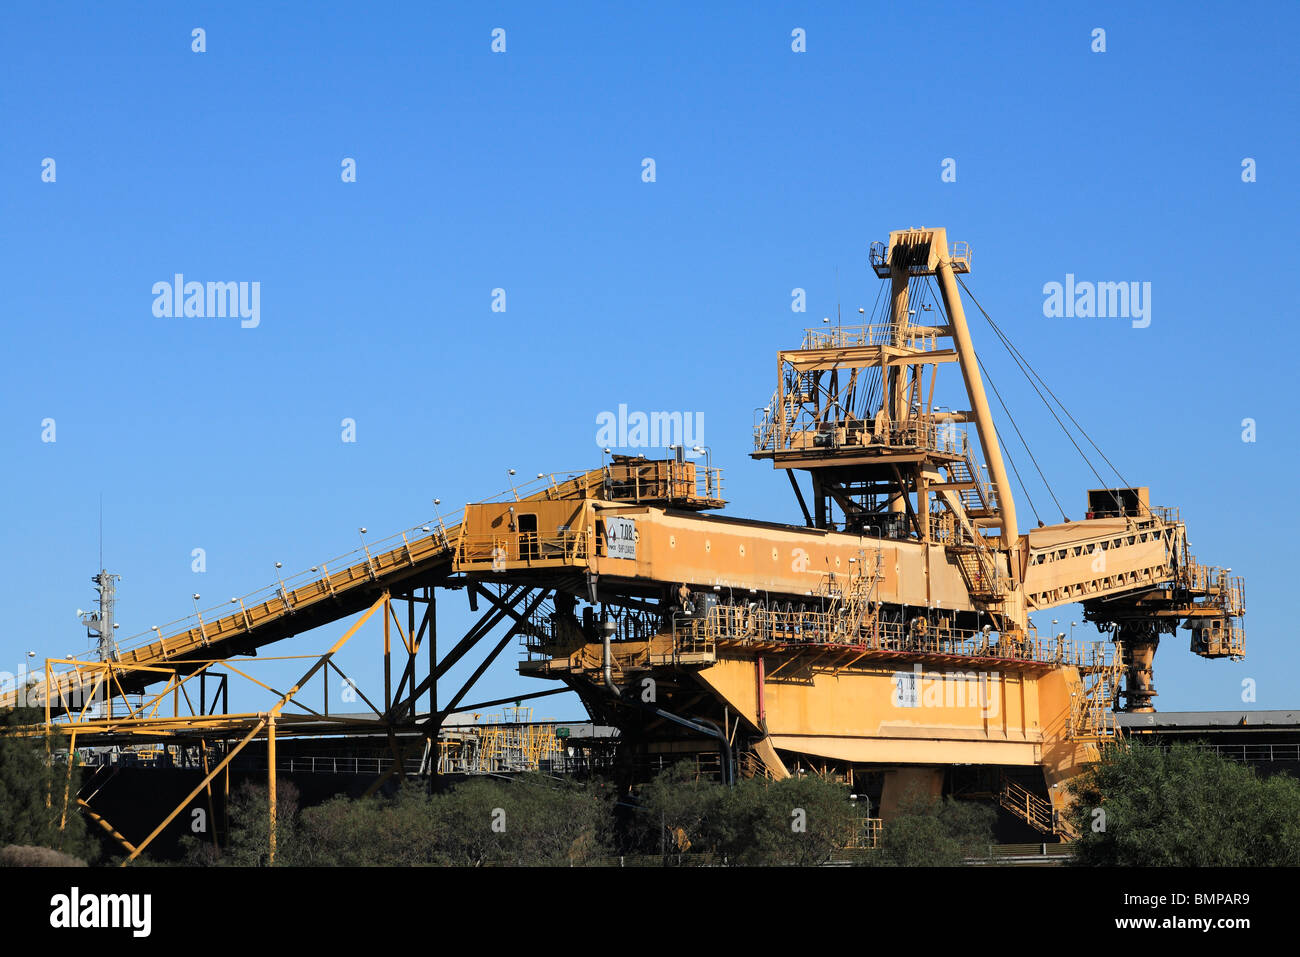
{"x":797,"y":656}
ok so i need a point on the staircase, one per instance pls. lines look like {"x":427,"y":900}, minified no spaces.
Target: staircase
{"x":978,"y":500}
{"x":1035,"y":811}
{"x":984,"y":580}
{"x":1092,"y":700}
{"x":976,"y":560}
{"x":752,"y":766}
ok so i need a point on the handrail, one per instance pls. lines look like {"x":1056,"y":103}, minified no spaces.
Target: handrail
{"x":920,"y":338}
{"x":286,"y":588}
{"x":777,"y":430}
{"x":746,"y":625}
{"x":522,"y":547}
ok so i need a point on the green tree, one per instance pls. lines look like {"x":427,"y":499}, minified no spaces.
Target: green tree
{"x":558,"y":823}
{"x":28,"y":779}
{"x":678,"y":813}
{"x":798,"y":821}
{"x":531,"y":821}
{"x":249,"y":841}
{"x":1183,"y":806}
{"x":369,"y":832}
{"x":934,"y":832}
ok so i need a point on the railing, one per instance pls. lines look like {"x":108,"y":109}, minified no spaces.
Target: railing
{"x":979,"y":570}
{"x":1167,"y":514}
{"x":959,"y":252}
{"x":551,"y":634}
{"x":1030,"y":808}
{"x":867,"y":835}
{"x":343,"y":765}
{"x":547,"y":485}
{"x":422,"y":540}
{"x":795,"y":426}
{"x":920,"y":338}
{"x":1092,"y":697}
{"x":1259,"y":753}
{"x":521,"y":547}
{"x":984,"y":494}
{"x":1027,"y":852}
{"x":1227,"y":592}
{"x":792,"y":628}
{"x":660,"y":480}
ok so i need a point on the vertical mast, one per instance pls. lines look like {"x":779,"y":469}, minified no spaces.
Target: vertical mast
{"x":100,"y":623}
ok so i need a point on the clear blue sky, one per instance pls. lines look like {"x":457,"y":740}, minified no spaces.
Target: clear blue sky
{"x":522,"y":171}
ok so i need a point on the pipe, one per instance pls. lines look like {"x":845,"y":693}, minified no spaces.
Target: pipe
{"x":703,"y":726}
{"x":607,"y":628}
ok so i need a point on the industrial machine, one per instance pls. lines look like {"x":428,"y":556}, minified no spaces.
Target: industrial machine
{"x":888,"y":634}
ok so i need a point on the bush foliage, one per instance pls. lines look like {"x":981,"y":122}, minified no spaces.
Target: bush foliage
{"x":1183,"y":806}
{"x":27,"y":782}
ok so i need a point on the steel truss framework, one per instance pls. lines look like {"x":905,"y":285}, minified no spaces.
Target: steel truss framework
{"x":183,"y":707}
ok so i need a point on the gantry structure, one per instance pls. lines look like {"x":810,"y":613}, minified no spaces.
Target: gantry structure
{"x":889,"y":632}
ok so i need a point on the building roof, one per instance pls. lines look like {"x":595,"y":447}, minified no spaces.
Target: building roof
{"x":1174,"y":720}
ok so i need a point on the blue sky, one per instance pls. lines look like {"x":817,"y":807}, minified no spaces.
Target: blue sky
{"x":522,"y":171}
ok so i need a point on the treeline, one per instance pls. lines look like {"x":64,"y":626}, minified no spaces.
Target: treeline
{"x":537,"y":821}
{"x":1140,"y":805}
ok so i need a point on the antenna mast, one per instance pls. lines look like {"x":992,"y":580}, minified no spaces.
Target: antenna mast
{"x":100,"y":623}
